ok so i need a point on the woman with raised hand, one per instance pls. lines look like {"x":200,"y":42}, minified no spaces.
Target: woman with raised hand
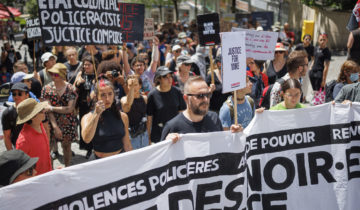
{"x":105,"y":126}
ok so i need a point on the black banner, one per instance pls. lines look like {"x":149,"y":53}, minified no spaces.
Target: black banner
{"x":99,"y":22}
{"x":33,"y":30}
{"x":302,"y":138}
{"x":209,"y":29}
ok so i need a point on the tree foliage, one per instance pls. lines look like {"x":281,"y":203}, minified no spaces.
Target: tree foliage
{"x":335,"y":4}
{"x":32,"y":8}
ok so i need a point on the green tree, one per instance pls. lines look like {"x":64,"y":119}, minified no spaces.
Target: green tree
{"x":32,"y":8}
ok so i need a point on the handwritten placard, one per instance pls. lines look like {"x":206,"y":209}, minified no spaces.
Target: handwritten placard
{"x":233,"y":61}
{"x":260,"y":45}
{"x":33,"y":30}
{"x":149,"y":30}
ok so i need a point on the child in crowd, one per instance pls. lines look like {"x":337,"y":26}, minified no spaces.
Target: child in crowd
{"x":291,"y":92}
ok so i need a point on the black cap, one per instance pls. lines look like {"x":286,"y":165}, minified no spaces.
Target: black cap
{"x":161,"y":71}
{"x":12,"y":164}
{"x":20,"y":86}
{"x":184,"y":59}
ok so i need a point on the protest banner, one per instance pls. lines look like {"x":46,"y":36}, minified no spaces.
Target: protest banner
{"x":209,"y":29}
{"x":149,"y":30}
{"x":304,"y":158}
{"x":233,"y":61}
{"x":161,"y":176}
{"x":260,"y":45}
{"x":33,"y":30}
{"x":310,"y":160}
{"x":100,"y":22}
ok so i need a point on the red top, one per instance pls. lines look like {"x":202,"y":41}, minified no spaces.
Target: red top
{"x":35,"y":144}
{"x":264,"y":77}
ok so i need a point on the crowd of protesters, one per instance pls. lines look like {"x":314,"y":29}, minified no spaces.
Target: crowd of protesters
{"x":114,"y":99}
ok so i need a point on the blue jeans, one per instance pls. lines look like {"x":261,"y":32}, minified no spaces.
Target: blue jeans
{"x":140,"y":141}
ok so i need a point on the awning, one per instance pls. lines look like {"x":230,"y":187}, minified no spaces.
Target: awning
{"x":8,"y":12}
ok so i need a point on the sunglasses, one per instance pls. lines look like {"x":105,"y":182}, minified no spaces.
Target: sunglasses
{"x":167,"y":76}
{"x":280,"y":52}
{"x":17,"y":94}
{"x":178,"y":51}
{"x":187,"y":64}
{"x":55,"y":74}
{"x":201,"y":95}
{"x":30,"y":171}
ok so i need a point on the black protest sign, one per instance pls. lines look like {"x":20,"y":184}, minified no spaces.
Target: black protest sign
{"x":99,"y":22}
{"x":33,"y":30}
{"x":209,"y":29}
{"x":132,"y":21}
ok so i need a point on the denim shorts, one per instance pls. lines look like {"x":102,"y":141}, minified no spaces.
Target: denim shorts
{"x":140,"y":141}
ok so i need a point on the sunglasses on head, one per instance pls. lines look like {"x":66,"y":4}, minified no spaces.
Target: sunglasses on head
{"x":55,"y":74}
{"x":201,"y":95}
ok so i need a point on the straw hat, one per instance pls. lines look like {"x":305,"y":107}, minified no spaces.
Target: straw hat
{"x":60,"y":69}
{"x":28,"y":109}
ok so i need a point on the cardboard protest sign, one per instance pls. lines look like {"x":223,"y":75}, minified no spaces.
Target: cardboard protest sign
{"x":100,"y":22}
{"x":233,"y":61}
{"x":209,"y":29}
{"x":33,"y":30}
{"x":260,"y":45}
{"x":149,"y":30}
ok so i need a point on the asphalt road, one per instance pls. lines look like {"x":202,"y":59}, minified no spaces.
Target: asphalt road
{"x":79,"y":157}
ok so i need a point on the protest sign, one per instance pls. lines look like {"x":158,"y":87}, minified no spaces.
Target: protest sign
{"x":149,"y":30}
{"x":161,"y":176}
{"x":33,"y":30}
{"x":260,"y":45}
{"x":233,"y":61}
{"x":266,"y":19}
{"x":310,"y":160}
{"x":209,"y":29}
{"x":100,"y":22}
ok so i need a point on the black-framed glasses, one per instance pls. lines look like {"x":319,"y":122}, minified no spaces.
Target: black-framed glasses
{"x":30,"y":171}
{"x":201,"y":95}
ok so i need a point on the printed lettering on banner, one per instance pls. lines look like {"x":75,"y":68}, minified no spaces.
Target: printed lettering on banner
{"x":233,"y":61}
{"x":209,"y":29}
{"x":100,"y":22}
{"x":260,"y":45}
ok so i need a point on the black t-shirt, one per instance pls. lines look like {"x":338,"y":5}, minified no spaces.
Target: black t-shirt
{"x":273,"y":75}
{"x":8,"y":120}
{"x":180,"y":124}
{"x":36,"y":87}
{"x":163,"y":106}
{"x":71,"y":72}
{"x":320,"y":56}
{"x":218,"y":98}
{"x":309,"y":50}
{"x":172,"y":66}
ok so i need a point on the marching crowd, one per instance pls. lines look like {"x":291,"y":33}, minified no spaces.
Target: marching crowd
{"x":113,"y":99}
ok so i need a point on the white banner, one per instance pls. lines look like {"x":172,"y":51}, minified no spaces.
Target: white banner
{"x":260,"y":45}
{"x":233,"y":61}
{"x":200,"y":171}
{"x":297,"y":159}
{"x":305,"y":158}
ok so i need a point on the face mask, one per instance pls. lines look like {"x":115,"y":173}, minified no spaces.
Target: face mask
{"x":354,"y":77}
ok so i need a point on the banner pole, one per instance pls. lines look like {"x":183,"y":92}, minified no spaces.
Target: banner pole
{"x":93,"y":60}
{"x":34,"y":59}
{"x":211,"y":65}
{"x":235,"y":108}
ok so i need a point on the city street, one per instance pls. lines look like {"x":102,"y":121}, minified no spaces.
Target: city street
{"x":79,"y":157}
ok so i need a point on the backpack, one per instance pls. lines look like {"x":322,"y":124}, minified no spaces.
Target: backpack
{"x":265,"y":97}
{"x":231,"y":107}
{"x":329,"y":89}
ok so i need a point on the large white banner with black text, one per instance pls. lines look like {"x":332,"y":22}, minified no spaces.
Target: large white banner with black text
{"x":296,"y":159}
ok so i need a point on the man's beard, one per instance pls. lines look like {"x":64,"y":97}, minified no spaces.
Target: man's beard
{"x":196,"y":109}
